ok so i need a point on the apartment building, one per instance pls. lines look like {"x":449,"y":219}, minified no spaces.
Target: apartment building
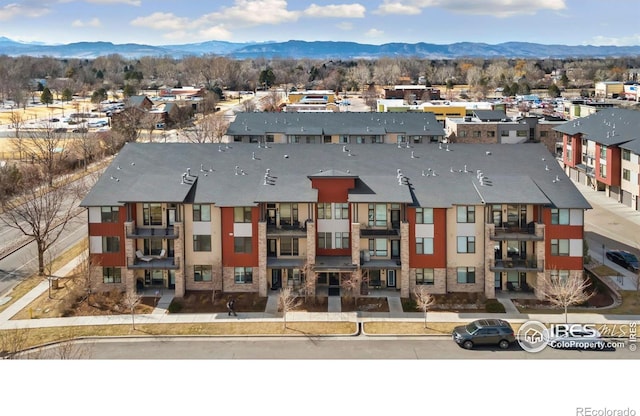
{"x":242,"y":217}
{"x":332,"y":128}
{"x":601,"y":151}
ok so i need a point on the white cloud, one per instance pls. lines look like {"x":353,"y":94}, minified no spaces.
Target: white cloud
{"x":162,"y":21}
{"x":129,"y":2}
{"x":336,"y":10}
{"x":632,"y":40}
{"x":252,"y":13}
{"x":345,"y":26}
{"x":215,"y":32}
{"x":95,"y":22}
{"x":14,"y":10}
{"x":498,"y":8}
{"x":374,"y":33}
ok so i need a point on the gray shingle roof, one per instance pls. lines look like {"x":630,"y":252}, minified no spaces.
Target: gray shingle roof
{"x":152,"y":172}
{"x":633,"y":146}
{"x":609,"y":126}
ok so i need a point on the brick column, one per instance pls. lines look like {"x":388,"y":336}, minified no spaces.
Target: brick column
{"x":130,"y":256}
{"x":490,"y":256}
{"x":355,"y":253}
{"x":540,"y":257}
{"x":262,"y":258}
{"x":178,"y":249}
{"x":404,"y":259}
{"x":311,"y":252}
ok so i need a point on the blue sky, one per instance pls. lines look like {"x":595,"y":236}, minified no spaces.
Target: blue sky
{"x":161,"y":22}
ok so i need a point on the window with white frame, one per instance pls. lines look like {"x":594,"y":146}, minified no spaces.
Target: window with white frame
{"x":424,"y":277}
{"x":243,"y":275}
{"x":424,"y":215}
{"x":344,"y":139}
{"x":288,"y":213}
{"x":341,"y":211}
{"x":603,"y":152}
{"x":109,"y":214}
{"x":341,"y":239}
{"x":466,"y":214}
{"x":242,"y":245}
{"x":242,"y":214}
{"x":559,"y":247}
{"x":626,"y":154}
{"x":324,"y":240}
{"x":603,"y":170}
{"x":201,"y":242}
{"x":626,"y":175}
{"x":111,"y":275}
{"x":152,"y":214}
{"x":377,"y":215}
{"x":202,"y":272}
{"x":110,"y":244}
{"x":202,"y":212}
{"x":424,"y":245}
{"x":560,"y":216}
{"x":466,"y":244}
{"x":466,"y":275}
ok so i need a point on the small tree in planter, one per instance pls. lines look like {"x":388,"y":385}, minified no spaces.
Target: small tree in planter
{"x":564,"y":292}
{"x":130,"y":300}
{"x":424,"y":300}
{"x":287,"y":301}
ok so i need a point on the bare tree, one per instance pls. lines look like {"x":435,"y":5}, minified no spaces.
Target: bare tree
{"x":209,"y":129}
{"x":13,"y":341}
{"x":130,"y":300}
{"x":249,"y":106}
{"x":424,"y":300}
{"x":351,"y":286}
{"x":309,"y":280}
{"x":86,"y":147}
{"x":564,"y":292}
{"x":287,"y":301}
{"x":44,"y":147}
{"x":41,"y":214}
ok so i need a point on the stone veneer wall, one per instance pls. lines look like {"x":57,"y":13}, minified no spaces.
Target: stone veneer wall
{"x":262,"y":259}
{"x":128,"y":275}
{"x":178,"y":253}
{"x":490,"y":256}
{"x":355,"y":250}
{"x":311,"y":254}
{"x":229,"y":285}
{"x":438,"y":287}
{"x":404,"y":260}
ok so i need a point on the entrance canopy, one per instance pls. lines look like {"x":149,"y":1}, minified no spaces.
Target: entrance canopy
{"x":334,"y":264}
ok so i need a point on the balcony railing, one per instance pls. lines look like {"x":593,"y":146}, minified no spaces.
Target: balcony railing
{"x":295,"y":228}
{"x":515,"y":232}
{"x":517,"y":265}
{"x":165,"y":263}
{"x":167,"y":233}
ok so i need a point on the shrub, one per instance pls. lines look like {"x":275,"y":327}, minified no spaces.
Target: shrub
{"x":175,"y":306}
{"x":493,"y":306}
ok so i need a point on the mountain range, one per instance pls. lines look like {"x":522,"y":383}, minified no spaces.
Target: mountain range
{"x":317,"y":50}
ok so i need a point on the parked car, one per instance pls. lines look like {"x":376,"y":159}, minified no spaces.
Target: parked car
{"x":98,"y":123}
{"x":60,"y":130}
{"x":54,"y":120}
{"x":624,"y":259}
{"x":575,"y":337}
{"x":80,"y":130}
{"x":484,"y":332}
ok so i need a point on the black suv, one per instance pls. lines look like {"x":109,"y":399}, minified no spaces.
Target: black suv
{"x":484,"y":332}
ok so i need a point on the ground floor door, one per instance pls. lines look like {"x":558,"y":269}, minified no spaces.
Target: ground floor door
{"x":153,"y":278}
{"x":391,"y":278}
{"x":276,"y":279}
{"x":498,"y":281}
{"x":172,"y":279}
{"x":334,"y":279}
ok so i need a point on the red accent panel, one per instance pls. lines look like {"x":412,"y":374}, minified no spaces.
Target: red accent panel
{"x":333,"y":189}
{"x":439,"y":257}
{"x":115,"y":229}
{"x":576,"y":149}
{"x":109,"y":259}
{"x":333,"y":252}
{"x":613,"y":159}
{"x":229,"y":257}
{"x":553,"y":232}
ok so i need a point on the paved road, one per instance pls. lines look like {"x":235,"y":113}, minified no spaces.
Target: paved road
{"x":407,"y":348}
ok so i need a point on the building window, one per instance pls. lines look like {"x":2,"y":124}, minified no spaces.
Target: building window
{"x":626,"y":154}
{"x":477,"y":133}
{"x":288,"y":214}
{"x":342,"y":239}
{"x":243,"y":275}
{"x":111,"y":275}
{"x":466,"y":244}
{"x":324,"y":240}
{"x":242,"y":245}
{"x":377,"y":139}
{"x":424,"y":277}
{"x":378,"y":247}
{"x":626,"y":175}
{"x":491,"y":133}
{"x":424,"y":215}
{"x":504,"y":133}
{"x":559,"y":247}
{"x":462,"y":133}
{"x":288,"y":246}
{"x":377,"y":215}
{"x":202,"y":212}
{"x":424,"y":245}
{"x":466,"y":274}
{"x":603,"y":152}
{"x":201,"y":242}
{"x":603,"y":170}
{"x":152,"y":246}
{"x":341,"y":211}
{"x":294,"y":276}
{"x":559,"y":216}
{"x":152,"y":214}
{"x":109,"y":214}
{"x":343,"y":139}
{"x":242,"y":214}
{"x":401,"y":139}
{"x":521,"y":133}
{"x":270,"y":138}
{"x":466,"y":214}
{"x":110,"y":244}
{"x":324,"y":211}
{"x":202,"y":273}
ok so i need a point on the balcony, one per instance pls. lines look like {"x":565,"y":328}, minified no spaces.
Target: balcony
{"x":513,"y":232}
{"x":295,"y":229}
{"x":167,"y":233}
{"x":165,"y":263}
{"x":517,"y":265}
